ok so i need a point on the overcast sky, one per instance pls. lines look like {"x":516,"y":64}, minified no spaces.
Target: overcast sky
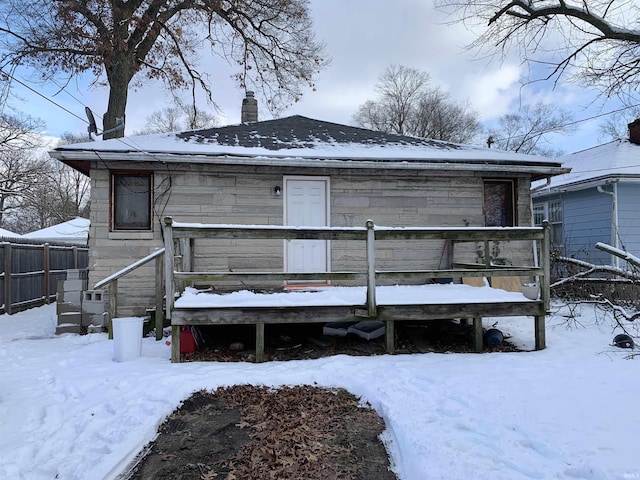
{"x":362,"y":38}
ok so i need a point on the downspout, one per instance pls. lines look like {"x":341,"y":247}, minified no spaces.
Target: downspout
{"x":614,"y":219}
{"x":533,"y":190}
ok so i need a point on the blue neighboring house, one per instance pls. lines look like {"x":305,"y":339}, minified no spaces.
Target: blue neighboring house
{"x":598,"y":201}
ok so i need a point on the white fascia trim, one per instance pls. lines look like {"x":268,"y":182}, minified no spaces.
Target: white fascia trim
{"x":391,"y":164}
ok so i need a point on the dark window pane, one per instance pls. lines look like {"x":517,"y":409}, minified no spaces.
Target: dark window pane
{"x":131,"y":208}
{"x":498,"y":204}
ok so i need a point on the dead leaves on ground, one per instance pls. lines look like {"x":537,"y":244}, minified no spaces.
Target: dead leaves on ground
{"x":298,"y":432}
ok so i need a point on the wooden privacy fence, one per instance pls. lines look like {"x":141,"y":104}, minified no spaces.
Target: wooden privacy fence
{"x":30,"y":272}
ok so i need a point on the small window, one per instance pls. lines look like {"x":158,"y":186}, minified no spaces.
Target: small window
{"x":131,"y":201}
{"x":499,"y":203}
{"x":555,"y":222}
{"x":539,"y":214}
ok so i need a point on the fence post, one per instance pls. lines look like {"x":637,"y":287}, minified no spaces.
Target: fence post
{"x":75,"y":256}
{"x":7,"y":278}
{"x":46,"y":280}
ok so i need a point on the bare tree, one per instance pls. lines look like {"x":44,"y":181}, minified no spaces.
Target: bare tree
{"x":437,"y":117}
{"x":19,"y":172}
{"x":178,"y":117}
{"x":408,"y":105}
{"x":60,"y":193}
{"x":127,"y":42}
{"x":528,"y":130}
{"x":19,"y":131}
{"x":616,"y":126}
{"x":596,"y":42}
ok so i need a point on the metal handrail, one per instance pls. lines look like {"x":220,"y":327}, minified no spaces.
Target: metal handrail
{"x":112,"y":282}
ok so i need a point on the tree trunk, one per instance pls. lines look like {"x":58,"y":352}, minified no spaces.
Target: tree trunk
{"x":118,"y":75}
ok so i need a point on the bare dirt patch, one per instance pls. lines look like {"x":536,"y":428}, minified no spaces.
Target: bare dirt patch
{"x":247,"y":432}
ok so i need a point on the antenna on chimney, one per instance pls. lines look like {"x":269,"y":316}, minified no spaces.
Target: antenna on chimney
{"x":490,"y":141}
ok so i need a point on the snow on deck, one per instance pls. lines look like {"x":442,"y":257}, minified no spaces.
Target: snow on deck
{"x":340,"y":296}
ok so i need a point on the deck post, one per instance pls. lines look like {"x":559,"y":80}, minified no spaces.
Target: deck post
{"x":545,"y":254}
{"x":259,"y":342}
{"x":168,"y":266}
{"x":159,"y":297}
{"x":113,"y":305}
{"x":487,"y":254}
{"x":371,"y":270}
{"x":390,"y":336}
{"x":539,"y":327}
{"x":175,"y":343}
{"x":477,"y":334}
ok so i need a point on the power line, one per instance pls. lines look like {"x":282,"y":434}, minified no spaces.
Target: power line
{"x":42,"y":95}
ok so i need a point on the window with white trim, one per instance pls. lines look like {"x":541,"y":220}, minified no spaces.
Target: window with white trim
{"x":552,"y":211}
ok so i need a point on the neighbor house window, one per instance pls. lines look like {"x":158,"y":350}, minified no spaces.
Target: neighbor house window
{"x":131,"y":201}
{"x":552,"y":212}
{"x":499,"y":203}
{"x":539,"y":214}
{"x":555,"y":222}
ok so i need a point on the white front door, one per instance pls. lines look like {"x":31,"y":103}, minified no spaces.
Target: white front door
{"x":306,"y":204}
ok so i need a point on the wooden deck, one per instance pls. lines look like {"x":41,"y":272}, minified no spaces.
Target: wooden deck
{"x":177,"y":246}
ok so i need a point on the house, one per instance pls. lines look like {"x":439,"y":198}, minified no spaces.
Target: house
{"x":597,"y":202}
{"x":74,"y":231}
{"x":289,"y":171}
{"x":8,"y":234}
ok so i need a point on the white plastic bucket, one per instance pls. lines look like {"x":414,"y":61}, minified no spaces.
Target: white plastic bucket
{"x":127,"y":338}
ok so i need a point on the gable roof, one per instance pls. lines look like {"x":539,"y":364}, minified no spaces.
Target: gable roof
{"x":8,"y":233}
{"x":75,"y":230}
{"x":606,"y":163}
{"x":302,"y":141}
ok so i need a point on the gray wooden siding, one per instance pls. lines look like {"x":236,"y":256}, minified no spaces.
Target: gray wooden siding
{"x":629,"y":216}
{"x":227,"y":194}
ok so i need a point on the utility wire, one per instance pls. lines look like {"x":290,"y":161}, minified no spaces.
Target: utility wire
{"x":42,"y":95}
{"x":140,"y":150}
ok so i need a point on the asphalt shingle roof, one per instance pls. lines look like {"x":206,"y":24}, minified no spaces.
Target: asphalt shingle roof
{"x":301,"y":132}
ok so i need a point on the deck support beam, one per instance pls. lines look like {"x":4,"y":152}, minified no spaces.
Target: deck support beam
{"x":539,"y":327}
{"x":390,"y":336}
{"x":478,"y":339}
{"x":175,"y":343}
{"x":259,"y":342}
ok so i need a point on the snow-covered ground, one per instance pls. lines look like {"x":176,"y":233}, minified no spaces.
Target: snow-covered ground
{"x":68,"y":411}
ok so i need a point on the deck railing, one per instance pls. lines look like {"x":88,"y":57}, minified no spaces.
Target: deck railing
{"x":180,"y":234}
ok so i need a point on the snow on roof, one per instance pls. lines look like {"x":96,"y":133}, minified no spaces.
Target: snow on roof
{"x":616,"y":159}
{"x":292,"y":139}
{"x":75,"y":230}
{"x":8,"y":233}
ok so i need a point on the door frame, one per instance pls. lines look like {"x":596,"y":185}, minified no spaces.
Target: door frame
{"x":327,"y":190}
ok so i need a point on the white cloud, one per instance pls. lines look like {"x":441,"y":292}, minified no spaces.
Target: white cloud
{"x":362,"y":38}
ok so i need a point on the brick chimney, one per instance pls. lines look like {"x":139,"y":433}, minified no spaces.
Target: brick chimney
{"x":249,"y":108}
{"x":634,"y":131}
